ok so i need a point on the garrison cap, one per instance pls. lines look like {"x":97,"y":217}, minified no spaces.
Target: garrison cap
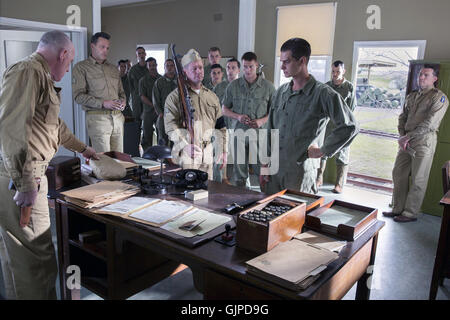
{"x":189,"y":57}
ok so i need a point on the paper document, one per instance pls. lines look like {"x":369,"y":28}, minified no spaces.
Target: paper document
{"x":128,"y":205}
{"x":211,"y":221}
{"x":147,"y":164}
{"x":161,"y":212}
{"x":319,"y":240}
{"x":298,"y":198}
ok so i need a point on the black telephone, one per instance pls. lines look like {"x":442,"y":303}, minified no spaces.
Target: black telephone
{"x":191,"y":179}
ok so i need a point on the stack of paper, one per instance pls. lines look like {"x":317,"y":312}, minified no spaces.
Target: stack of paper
{"x":336,"y":215}
{"x":100,"y":194}
{"x":129,"y":166}
{"x":292,"y":264}
{"x":147,"y":164}
{"x":321,"y":241}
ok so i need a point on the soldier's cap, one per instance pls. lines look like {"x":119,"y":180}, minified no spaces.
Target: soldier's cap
{"x":189,"y":57}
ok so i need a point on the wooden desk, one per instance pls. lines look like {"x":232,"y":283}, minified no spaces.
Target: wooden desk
{"x":219,"y":271}
{"x":441,"y":268}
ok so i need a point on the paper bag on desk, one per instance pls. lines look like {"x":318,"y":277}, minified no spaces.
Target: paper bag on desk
{"x":100,"y":194}
{"x":293,"y":264}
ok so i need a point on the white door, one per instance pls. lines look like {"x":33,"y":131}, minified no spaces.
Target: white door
{"x":16,"y":45}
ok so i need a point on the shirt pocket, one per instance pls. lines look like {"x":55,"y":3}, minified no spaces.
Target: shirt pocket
{"x":52,"y":114}
{"x":96,"y":82}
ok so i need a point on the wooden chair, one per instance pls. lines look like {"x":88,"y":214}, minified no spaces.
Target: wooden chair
{"x":441,"y":268}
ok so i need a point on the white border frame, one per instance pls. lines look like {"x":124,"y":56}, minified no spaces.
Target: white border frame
{"x":391,"y":43}
{"x":79,"y":40}
{"x":276,"y":73}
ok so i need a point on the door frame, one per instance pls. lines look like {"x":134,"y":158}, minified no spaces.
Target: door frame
{"x":79,"y":40}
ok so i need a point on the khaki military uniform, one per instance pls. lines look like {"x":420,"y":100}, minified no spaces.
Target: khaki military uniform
{"x":136,"y":73}
{"x":30,"y":133}
{"x":93,"y":83}
{"x":207,"y":78}
{"x":207,"y":111}
{"x":422,"y":114}
{"x":301,"y":118}
{"x":149,"y":114}
{"x":253,"y":100}
{"x":127,"y":112}
{"x":161,"y":89}
{"x":345,"y":89}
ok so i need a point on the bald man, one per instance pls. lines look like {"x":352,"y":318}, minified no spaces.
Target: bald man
{"x":30,"y":133}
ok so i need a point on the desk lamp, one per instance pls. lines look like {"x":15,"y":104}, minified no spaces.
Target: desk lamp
{"x":158,"y":153}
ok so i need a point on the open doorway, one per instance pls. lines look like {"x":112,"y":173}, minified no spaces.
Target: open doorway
{"x":380,"y":76}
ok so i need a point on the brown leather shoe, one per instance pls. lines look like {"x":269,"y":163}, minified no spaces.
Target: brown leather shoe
{"x":404,"y":219}
{"x":337,"y":189}
{"x":390,"y":214}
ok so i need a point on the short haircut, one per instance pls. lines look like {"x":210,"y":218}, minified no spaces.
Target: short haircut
{"x":55,"y":39}
{"x":338,"y":63}
{"x":121,"y":61}
{"x":249,"y":56}
{"x":140,"y":48}
{"x":169,"y":60}
{"x":235,"y":60}
{"x":150,"y":59}
{"x":432,"y":66}
{"x":299,"y":48}
{"x":212,"y":49}
{"x":103,"y":35}
{"x":216,"y":66}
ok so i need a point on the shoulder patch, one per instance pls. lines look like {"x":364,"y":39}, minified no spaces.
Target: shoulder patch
{"x":443,"y":99}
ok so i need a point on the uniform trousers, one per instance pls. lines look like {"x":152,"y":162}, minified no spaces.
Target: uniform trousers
{"x":105,"y":130}
{"x":410,"y":177}
{"x":27,"y":254}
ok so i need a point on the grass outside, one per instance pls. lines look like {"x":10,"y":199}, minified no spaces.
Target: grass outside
{"x":373,"y":156}
{"x":385,"y":120}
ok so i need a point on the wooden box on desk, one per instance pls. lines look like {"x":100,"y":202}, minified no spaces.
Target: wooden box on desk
{"x":63,"y":171}
{"x":260,"y":237}
{"x":312,"y":201}
{"x":354,"y":219}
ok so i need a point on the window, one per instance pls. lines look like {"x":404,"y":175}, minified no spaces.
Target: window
{"x":314,"y":23}
{"x":158,"y":51}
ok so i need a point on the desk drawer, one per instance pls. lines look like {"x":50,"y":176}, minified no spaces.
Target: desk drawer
{"x":220,"y":287}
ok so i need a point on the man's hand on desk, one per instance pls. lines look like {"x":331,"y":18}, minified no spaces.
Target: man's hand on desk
{"x":89,"y":153}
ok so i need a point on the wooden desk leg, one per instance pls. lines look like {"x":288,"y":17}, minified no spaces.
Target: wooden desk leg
{"x":362,"y":289}
{"x":441,"y":254}
{"x":61,"y":234}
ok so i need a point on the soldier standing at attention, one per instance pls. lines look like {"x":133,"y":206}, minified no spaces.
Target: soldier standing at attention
{"x":345,"y":89}
{"x":123,"y":73}
{"x":97,"y":87}
{"x":246,"y":103}
{"x":214,"y":57}
{"x":418,"y":125}
{"x":135,"y":74}
{"x":207,"y":111}
{"x":30,"y":133}
{"x":146,"y":91}
{"x":300,"y":111}
{"x":161,"y":89}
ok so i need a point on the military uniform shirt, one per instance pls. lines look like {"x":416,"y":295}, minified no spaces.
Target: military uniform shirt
{"x":146,"y":84}
{"x":207,"y":111}
{"x":219,"y":90}
{"x":253,"y":100}
{"x":161,"y":89}
{"x":30,"y":129}
{"x":93,"y":83}
{"x":301,"y":117}
{"x":134,"y":75}
{"x":126,"y":88}
{"x":345,"y":89}
{"x":422,"y":113}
